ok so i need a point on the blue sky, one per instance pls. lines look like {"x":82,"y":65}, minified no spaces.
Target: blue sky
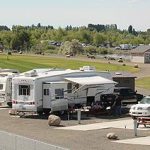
{"x":76,"y":12}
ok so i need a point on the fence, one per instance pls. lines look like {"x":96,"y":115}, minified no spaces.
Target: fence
{"x":9,"y":141}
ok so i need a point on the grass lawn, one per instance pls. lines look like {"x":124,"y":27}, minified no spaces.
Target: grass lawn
{"x":143,"y":83}
{"x":28,"y":62}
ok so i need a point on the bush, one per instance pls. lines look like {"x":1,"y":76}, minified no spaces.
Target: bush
{"x":8,"y":53}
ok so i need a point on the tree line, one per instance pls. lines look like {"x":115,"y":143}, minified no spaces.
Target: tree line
{"x":38,"y":37}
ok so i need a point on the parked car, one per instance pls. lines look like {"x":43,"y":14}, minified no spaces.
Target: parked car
{"x":128,"y":95}
{"x":91,"y":56}
{"x":20,"y":52}
{"x":120,"y":60}
{"x":118,"y":48}
{"x":111,"y":58}
{"x":39,"y":52}
{"x":142,"y":109}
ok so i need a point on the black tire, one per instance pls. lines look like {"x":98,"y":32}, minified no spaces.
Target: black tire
{"x":46,"y":111}
{"x":40,"y":113}
{"x":9,"y":104}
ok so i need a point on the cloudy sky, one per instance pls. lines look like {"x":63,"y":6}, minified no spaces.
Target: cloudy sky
{"x":76,"y":12}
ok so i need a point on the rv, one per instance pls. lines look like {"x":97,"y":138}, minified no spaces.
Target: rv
{"x":57,"y":90}
{"x":6,"y":76}
{"x":6,"y":85}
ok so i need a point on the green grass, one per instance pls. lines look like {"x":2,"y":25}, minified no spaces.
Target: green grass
{"x":27,"y":62}
{"x":143,"y":83}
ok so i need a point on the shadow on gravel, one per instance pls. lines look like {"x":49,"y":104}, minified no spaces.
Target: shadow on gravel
{"x":73,"y":116}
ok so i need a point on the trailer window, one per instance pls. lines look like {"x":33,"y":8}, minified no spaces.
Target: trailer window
{"x":59,"y":93}
{"x":46,"y":91}
{"x":1,"y":86}
{"x":69,"y":87}
{"x":24,"y":89}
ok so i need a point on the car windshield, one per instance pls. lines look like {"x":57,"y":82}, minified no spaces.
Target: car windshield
{"x":145,"y":100}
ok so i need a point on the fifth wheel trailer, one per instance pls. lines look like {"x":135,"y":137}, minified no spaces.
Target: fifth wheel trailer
{"x":58,"y":90}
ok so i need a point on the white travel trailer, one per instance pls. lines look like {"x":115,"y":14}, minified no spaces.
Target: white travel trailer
{"x":6,"y":76}
{"x":57,"y":90}
{"x":6,"y":85}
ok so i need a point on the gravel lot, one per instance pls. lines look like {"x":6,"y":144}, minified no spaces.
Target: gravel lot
{"x":37,"y":128}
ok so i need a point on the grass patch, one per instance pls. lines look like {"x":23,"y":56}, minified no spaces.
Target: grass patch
{"x":27,"y":62}
{"x":143,"y":83}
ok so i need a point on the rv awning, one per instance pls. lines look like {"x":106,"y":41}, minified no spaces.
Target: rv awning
{"x":94,"y":80}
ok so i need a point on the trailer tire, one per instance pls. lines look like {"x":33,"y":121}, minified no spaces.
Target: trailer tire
{"x":9,"y":104}
{"x":46,"y":111}
{"x":40,"y":113}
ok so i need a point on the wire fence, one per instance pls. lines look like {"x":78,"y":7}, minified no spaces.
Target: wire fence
{"x":9,"y":141}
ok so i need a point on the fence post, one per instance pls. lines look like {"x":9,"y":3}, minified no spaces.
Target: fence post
{"x":79,"y":115}
{"x":135,"y":127}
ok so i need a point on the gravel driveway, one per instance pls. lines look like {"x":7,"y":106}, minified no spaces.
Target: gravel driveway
{"x":38,"y":129}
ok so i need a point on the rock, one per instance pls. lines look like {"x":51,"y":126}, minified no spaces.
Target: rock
{"x":123,"y":64}
{"x":112,"y":136}
{"x":54,"y":120}
{"x":136,"y":66}
{"x":12,"y":112}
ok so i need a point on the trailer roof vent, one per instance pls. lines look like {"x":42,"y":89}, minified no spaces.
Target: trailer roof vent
{"x":87,"y":68}
{"x":118,"y":73}
{"x":32,"y":73}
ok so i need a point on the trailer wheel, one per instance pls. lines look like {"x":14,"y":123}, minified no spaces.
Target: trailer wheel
{"x":9,"y":104}
{"x":21,"y":114}
{"x":46,"y":111}
{"x":40,"y":113}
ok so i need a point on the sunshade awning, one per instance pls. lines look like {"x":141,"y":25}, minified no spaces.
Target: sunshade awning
{"x":94,"y":80}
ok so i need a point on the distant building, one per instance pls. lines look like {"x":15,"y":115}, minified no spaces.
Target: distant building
{"x":141,"y":54}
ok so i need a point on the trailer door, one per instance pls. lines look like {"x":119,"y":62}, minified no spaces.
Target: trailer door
{"x":47,"y":95}
{"x":58,"y":100}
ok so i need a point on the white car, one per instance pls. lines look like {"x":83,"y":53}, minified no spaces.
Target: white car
{"x":142,"y":109}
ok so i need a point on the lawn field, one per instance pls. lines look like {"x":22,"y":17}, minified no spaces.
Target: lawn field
{"x":143,"y":83}
{"x":28,"y":62}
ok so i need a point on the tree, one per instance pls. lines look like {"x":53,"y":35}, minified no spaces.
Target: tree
{"x":74,"y":47}
{"x":130,"y":29}
{"x":90,"y":50}
{"x":39,"y":25}
{"x":20,"y":41}
{"x":98,"y":39}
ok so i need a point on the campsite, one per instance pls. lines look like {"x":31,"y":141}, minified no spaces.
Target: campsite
{"x":34,"y":125}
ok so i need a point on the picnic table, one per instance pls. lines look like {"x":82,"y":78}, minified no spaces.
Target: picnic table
{"x":143,"y":120}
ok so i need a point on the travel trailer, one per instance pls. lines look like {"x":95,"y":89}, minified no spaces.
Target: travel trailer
{"x":6,"y":76}
{"x":56,"y":90}
{"x":6,"y":85}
